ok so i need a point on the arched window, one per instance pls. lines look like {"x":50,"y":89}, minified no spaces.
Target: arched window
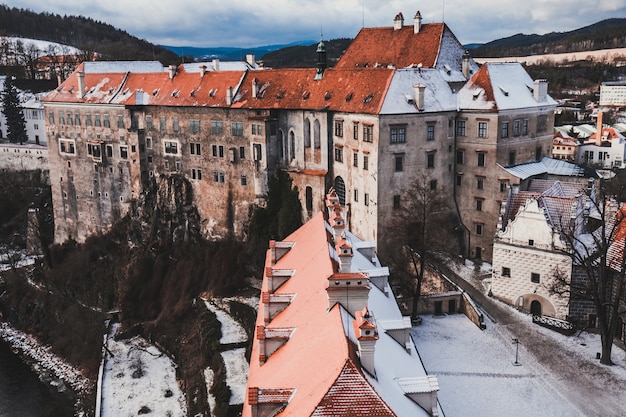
{"x":309,"y":200}
{"x":281,"y":144}
{"x":316,"y":133}
{"x":340,"y":189}
{"x":307,"y":133}
{"x":292,"y":146}
{"x":535,"y":308}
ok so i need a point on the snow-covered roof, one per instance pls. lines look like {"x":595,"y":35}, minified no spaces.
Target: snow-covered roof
{"x":99,"y":67}
{"x":221,"y":66}
{"x":438,"y":96}
{"x":545,"y":166}
{"x":501,"y":86}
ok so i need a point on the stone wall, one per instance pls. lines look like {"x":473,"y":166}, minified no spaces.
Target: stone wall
{"x":23,"y":157}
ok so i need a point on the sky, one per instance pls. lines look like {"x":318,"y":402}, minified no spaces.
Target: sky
{"x":250,"y":23}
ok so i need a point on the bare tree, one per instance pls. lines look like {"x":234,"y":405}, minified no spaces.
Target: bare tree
{"x":420,"y":228}
{"x":595,"y":244}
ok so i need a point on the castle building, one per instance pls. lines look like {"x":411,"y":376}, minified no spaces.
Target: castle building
{"x":330,"y":339}
{"x":403,"y":101}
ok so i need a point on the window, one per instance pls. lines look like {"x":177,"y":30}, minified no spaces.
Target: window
{"x":236,"y":128}
{"x":124,"y":152}
{"x":51,"y":118}
{"x":516,"y":127}
{"x":109,"y":151}
{"x":512,"y":158}
{"x":162,"y":126}
{"x":433,"y":184}
{"x":366,"y":199}
{"x":77,"y":119}
{"x":214,"y":150}
{"x":430,"y":131}
{"x":194,"y":149}
{"x":396,"y":201}
{"x":148,"y":122}
{"x":460,"y":157}
{"x":88,"y":119}
{"x":175,"y":124}
{"x":338,"y":154}
{"x":450,"y":128}
{"x":257,"y":129}
{"x":481,"y":159}
{"x":482,"y":129}
{"x":525,"y":127}
{"x":504,"y":131}
{"x":535,"y":277}
{"x":367,"y":133}
{"x":355,"y":159}
{"x":221,"y":151}
{"x":94,"y":150}
{"x":479,"y":204}
{"x":397,"y":134}
{"x":120,"y":121}
{"x":107,"y":121}
{"x":222,"y":177}
{"x":149,"y":143}
{"x":480,"y":183}
{"x":171,"y":147}
{"x":504,"y":186}
{"x":244,"y":180}
{"x":506,"y":272}
{"x":531,"y":242}
{"x":460,"y":127}
{"x":69,"y":119}
{"x":96,"y":121}
{"x":366,"y":160}
{"x":399,"y":159}
{"x":355,"y":131}
{"x":194,"y":126}
{"x":459,"y":179}
{"x":61,"y":118}
{"x":242,"y":152}
{"x":339,"y":128}
{"x":216,"y":177}
{"x":258,"y":155}
{"x":356,"y":195}
{"x":196,"y":174}
{"x":67,"y":146}
{"x":542,"y":123}
{"x":539,"y":153}
{"x":430,"y":160}
{"x":479,"y":229}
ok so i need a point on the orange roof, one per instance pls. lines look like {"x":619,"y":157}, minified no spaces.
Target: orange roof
{"x":399,"y":48}
{"x":359,"y":90}
{"x":482,"y":80}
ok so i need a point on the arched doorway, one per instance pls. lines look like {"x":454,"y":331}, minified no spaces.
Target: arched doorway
{"x":535,"y":308}
{"x":340,"y":189}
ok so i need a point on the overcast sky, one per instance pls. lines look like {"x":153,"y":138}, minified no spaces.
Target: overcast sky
{"x":247,"y":23}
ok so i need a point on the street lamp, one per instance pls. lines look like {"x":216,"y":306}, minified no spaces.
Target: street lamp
{"x":516,"y":343}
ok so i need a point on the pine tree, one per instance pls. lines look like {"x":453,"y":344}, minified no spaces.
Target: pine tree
{"x":16,"y":125}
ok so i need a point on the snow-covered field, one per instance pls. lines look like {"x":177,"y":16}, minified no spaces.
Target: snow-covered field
{"x":139,"y":379}
{"x":478,"y":378}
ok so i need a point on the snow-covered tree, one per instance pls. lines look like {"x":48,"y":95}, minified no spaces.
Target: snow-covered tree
{"x":16,"y":125}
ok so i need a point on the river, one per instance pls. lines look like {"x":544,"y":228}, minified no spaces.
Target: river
{"x":22,"y":394}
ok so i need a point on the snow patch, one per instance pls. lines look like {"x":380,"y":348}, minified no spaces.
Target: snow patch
{"x":236,"y":374}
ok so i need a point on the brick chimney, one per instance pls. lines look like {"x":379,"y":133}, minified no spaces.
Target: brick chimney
{"x":599,"y":124}
{"x":366,"y":335}
{"x":417,"y":22}
{"x":398,"y":21}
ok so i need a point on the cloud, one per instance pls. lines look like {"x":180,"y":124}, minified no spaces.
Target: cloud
{"x":249,"y":23}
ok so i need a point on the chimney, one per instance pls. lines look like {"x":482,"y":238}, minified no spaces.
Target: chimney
{"x":350,"y":289}
{"x":255,"y":88}
{"x":465,"y":66}
{"x":81,"y":83}
{"x":599,"y":124}
{"x":202,"y":70}
{"x":337,"y":221}
{"x":172,"y":71}
{"x":251,"y":60}
{"x":216,"y":64}
{"x":398,"y":21}
{"x":59,"y":76}
{"x":540,"y":91}
{"x":366,"y":334}
{"x":345,"y":254}
{"x":229,"y":96}
{"x":417,"y":22}
{"x":419,"y":96}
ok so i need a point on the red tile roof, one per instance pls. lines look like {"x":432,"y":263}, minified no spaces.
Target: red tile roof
{"x":482,"y":81}
{"x":400,"y":48}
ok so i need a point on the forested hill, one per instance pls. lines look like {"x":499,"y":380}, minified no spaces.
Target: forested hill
{"x":300,"y":56}
{"x":607,"y":34}
{"x":81,"y":32}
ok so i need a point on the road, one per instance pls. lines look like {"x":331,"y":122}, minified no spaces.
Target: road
{"x":586,"y":384}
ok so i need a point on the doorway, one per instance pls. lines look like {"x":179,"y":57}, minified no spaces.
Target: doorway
{"x":535,"y":308}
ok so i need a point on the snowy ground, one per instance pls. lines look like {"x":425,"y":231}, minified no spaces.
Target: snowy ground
{"x":477,"y":375}
{"x":139,"y":379}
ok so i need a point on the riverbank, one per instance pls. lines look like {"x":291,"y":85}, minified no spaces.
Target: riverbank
{"x":51,"y":369}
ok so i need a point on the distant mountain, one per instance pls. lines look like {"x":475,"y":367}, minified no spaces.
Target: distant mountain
{"x":229,"y":53}
{"x":305,"y":56}
{"x":607,"y":34}
{"x":81,"y":32}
